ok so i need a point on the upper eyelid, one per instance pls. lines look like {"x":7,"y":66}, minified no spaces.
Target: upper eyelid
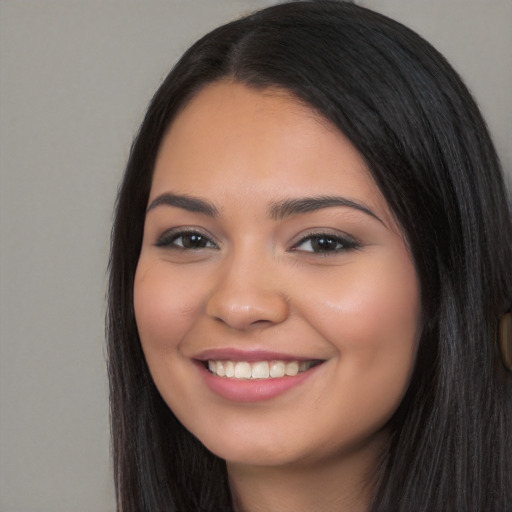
{"x":174,"y":233}
{"x":326,"y":232}
{"x":348,"y":242}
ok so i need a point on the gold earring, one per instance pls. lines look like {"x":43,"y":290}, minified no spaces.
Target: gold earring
{"x":505,"y":339}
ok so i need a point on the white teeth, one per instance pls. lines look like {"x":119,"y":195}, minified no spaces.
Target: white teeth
{"x":259,"y":369}
{"x":242,"y":370}
{"x":292,"y":368}
{"x":221,"y":371}
{"x":230,"y":369}
{"x":277,"y":369}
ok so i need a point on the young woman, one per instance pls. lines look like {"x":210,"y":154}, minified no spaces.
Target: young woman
{"x":310,"y":263}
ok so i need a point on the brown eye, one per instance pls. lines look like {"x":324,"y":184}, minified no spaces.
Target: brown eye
{"x":325,"y":243}
{"x":185,"y":240}
{"x":192,"y":241}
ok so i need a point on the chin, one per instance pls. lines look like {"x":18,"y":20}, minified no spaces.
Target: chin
{"x":253,"y":452}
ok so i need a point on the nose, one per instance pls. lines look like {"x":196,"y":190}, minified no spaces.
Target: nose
{"x":247,"y":295}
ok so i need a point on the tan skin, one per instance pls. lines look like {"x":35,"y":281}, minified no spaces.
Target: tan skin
{"x":333,"y":282}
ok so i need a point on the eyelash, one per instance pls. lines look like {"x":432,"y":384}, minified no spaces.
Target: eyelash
{"x":342,"y":243}
{"x":168,"y":240}
{"x":335,"y":243}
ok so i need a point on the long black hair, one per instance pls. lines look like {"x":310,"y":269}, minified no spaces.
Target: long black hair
{"x":413,"y":120}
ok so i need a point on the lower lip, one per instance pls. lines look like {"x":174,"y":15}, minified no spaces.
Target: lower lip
{"x":253,"y":390}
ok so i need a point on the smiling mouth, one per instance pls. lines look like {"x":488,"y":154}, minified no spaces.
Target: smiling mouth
{"x":245,"y":370}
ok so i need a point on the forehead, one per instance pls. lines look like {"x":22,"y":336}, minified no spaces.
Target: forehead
{"x":237,"y":110}
{"x":231,"y":138}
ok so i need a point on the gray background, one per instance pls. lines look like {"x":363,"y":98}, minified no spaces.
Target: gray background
{"x":75,"y":78}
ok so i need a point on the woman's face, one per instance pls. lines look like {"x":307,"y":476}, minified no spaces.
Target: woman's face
{"x":270,"y":256}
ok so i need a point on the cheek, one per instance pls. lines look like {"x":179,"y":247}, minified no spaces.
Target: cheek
{"x":164,"y":308}
{"x":370,"y":314}
{"x":371,"y":318}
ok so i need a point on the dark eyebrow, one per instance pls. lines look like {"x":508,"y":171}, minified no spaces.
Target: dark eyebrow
{"x":289,"y":207}
{"x":192,"y":204}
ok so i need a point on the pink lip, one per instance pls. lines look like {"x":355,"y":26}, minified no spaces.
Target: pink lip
{"x":249,"y":391}
{"x":229,"y":354}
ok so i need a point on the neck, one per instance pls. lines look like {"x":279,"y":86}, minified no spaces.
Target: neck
{"x":342,"y":483}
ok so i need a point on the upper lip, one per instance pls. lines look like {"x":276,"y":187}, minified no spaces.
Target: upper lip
{"x":233,"y":354}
